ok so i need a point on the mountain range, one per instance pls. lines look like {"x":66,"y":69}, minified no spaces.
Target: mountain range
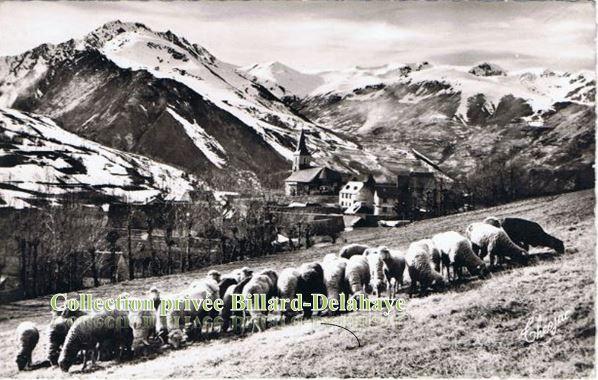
{"x":155,"y":94}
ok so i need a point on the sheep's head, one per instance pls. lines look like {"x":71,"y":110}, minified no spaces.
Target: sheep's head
{"x":65,"y":363}
{"x":384,"y":252}
{"x":21,"y":361}
{"x":483,"y":271}
{"x":154,"y":293}
{"x":491,"y":220}
{"x":440,"y":284}
{"x":214,"y":275}
{"x":522,"y":256}
{"x":559,"y":246}
{"x":175,"y":338}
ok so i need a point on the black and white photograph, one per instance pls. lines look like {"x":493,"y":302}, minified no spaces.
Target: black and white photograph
{"x":299,"y":189}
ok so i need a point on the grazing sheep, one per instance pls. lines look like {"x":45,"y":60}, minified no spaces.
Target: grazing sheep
{"x":27,"y":338}
{"x":458,"y":252}
{"x":526,"y":233}
{"x":487,"y":239}
{"x":264,"y":283}
{"x":184,"y":324}
{"x":357,"y":274}
{"x":57,"y":329}
{"x":420,"y":266}
{"x":287,"y":288}
{"x":311,"y":281}
{"x":394,"y":267}
{"x":375,"y":258}
{"x":334,"y":277}
{"x":90,"y":332}
{"x":143,"y":323}
{"x":227,"y":314}
{"x":351,"y":250}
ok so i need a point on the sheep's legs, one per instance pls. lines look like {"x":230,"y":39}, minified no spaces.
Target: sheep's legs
{"x":85,"y":354}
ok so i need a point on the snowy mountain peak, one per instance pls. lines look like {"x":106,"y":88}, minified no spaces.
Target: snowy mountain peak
{"x":282,"y":80}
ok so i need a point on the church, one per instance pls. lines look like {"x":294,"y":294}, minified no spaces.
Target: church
{"x":306,"y":179}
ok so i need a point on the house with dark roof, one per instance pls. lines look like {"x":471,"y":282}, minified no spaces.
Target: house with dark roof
{"x":306,"y":179}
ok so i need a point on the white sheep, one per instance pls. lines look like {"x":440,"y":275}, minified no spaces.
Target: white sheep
{"x":456,"y":250}
{"x":352,"y":249}
{"x":421,"y":267}
{"x":487,"y":239}
{"x":90,"y":332}
{"x":287,"y":289}
{"x":184,"y":324}
{"x":394,"y":268}
{"x":334,"y":276}
{"x":27,"y":337}
{"x":214,"y":275}
{"x":262,"y":283}
{"x":357,"y":274}
{"x":375,"y":258}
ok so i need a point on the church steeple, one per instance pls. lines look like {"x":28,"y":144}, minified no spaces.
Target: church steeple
{"x":301,"y":156}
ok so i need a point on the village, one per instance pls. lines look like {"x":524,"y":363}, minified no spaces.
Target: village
{"x":125,"y":240}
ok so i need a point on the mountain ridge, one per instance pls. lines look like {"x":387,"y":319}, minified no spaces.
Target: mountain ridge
{"x":156,"y":94}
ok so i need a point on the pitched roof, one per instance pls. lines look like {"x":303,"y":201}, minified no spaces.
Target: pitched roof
{"x":301,"y":146}
{"x":304,"y":175}
{"x":352,"y":187}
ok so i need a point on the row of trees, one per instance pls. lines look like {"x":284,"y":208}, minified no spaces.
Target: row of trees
{"x":69,"y":246}
{"x":502,"y":178}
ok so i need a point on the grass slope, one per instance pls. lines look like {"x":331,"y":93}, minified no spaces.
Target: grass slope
{"x":473,"y":330}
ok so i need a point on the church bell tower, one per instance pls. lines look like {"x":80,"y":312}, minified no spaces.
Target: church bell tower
{"x":301,"y":156}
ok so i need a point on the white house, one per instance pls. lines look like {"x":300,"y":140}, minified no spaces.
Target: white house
{"x":357,"y":191}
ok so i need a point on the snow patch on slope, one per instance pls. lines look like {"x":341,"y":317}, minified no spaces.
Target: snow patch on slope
{"x":203,"y":141}
{"x":41,"y":160}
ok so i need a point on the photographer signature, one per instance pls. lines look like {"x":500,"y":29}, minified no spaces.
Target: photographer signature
{"x":538,"y":327}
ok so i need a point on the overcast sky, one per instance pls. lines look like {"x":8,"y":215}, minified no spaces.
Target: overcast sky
{"x":318,"y":35}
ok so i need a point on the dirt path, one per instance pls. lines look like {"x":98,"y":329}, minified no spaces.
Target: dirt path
{"x":473,"y":330}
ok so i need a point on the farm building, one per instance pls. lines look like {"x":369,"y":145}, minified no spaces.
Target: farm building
{"x":306,"y":179}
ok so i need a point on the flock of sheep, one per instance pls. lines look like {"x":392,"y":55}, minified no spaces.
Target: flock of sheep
{"x":357,"y":269}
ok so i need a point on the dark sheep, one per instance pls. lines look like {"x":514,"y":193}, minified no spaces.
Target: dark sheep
{"x":311,"y":281}
{"x":227,"y":314}
{"x":526,"y":233}
{"x":224,"y":284}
